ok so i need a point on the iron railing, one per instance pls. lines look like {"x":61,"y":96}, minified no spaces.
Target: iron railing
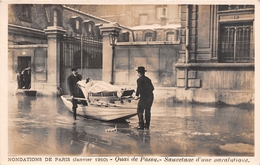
{"x":81,"y":51}
{"x":237,"y":44}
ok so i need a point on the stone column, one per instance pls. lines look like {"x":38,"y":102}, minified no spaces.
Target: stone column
{"x":54,"y":33}
{"x":107,"y":51}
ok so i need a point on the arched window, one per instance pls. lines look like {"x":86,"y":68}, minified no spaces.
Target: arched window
{"x":89,"y":27}
{"x":126,"y":36}
{"x":170,"y":36}
{"x":76,"y":23}
{"x":148,"y":37}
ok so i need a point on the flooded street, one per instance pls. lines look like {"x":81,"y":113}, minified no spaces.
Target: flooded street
{"x":43,"y":126}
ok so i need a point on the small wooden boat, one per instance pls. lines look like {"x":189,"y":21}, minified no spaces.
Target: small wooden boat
{"x":26,"y":92}
{"x":119,"y":109}
{"x":103,"y":101}
{"x":30,"y":92}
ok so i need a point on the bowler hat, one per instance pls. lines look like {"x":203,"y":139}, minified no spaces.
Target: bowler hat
{"x":141,"y":69}
{"x":74,"y":69}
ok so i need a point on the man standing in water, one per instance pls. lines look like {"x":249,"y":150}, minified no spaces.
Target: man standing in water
{"x":144,"y":92}
{"x":19,"y":78}
{"x":74,"y":89}
{"x":27,"y":77}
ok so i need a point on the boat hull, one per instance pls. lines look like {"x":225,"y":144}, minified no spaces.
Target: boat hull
{"x":102,"y":112}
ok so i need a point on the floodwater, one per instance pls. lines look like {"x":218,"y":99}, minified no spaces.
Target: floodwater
{"x":43,"y":126}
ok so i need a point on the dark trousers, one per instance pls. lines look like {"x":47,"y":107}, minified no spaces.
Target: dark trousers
{"x":144,"y":106}
{"x":20,"y":85}
{"x":27,"y":82}
{"x":74,"y":108}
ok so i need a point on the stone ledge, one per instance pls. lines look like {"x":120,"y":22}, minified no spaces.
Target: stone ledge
{"x":214,"y":65}
{"x":149,"y":43}
{"x":214,"y":96}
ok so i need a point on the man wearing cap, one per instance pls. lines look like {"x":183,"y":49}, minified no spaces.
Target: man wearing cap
{"x":74,"y":89}
{"x":144,"y":93}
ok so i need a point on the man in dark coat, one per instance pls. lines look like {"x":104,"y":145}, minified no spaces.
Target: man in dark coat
{"x":19,"y":77}
{"x":74,"y":89}
{"x":144,"y":93}
{"x":27,"y":77}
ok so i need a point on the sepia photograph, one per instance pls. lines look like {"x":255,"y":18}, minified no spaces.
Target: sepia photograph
{"x":130,"y":83}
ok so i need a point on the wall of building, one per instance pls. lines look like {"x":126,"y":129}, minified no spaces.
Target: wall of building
{"x":38,"y":63}
{"x":160,"y":34}
{"x":159,"y":61}
{"x":217,"y":83}
{"x":201,"y":76}
{"x":129,"y":15}
{"x":30,"y":37}
{"x":193,"y":67}
{"x":218,"y":76}
{"x":67,"y":13}
{"x":38,"y":17}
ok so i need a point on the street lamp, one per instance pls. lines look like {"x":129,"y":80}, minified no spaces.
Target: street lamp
{"x":113,"y":40}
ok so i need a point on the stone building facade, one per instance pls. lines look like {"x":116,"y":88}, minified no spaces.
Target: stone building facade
{"x":208,"y":56}
{"x":52,"y":38}
{"x":216,"y":61}
{"x":46,"y":38}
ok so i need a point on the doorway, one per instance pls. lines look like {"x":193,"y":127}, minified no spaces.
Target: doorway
{"x":24,"y":66}
{"x":23,"y":62}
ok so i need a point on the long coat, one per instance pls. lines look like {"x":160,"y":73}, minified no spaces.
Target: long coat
{"x":144,"y":87}
{"x":72,"y":85}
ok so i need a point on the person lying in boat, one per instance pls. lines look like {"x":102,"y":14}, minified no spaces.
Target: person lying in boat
{"x":101,"y":88}
{"x":85,"y":85}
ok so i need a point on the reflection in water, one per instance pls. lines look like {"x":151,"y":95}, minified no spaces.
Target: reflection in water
{"x":24,"y":105}
{"x":144,"y":143}
{"x":85,"y":143}
{"x":43,"y":126}
{"x":76,"y":145}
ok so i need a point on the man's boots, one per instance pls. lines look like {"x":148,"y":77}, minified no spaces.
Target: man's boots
{"x":74,"y":114}
{"x":141,"y":121}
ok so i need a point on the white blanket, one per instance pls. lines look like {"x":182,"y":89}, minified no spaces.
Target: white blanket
{"x":97,"y":87}
{"x":101,"y":86}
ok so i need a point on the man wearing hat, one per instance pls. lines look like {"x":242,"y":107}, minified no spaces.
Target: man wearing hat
{"x":74,"y":89}
{"x":144,"y":92}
